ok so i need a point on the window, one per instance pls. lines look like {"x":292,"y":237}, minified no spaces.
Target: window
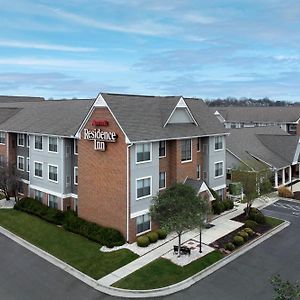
{"x":38,"y":142}
{"x":76,"y":147}
{"x":52,"y":173}
{"x":68,"y":181}
{"x":198,"y":144}
{"x":186,"y":150}
{"x":2,"y":137}
{"x":162,"y":149}
{"x":229,"y":174}
{"x":218,"y":143}
{"x":162,"y":180}
{"x":38,"y":169}
{"x":52,"y":201}
{"x":28,"y":164}
{"x":2,"y":161}
{"x":143,"y":223}
{"x":28,"y":141}
{"x":38,"y":195}
{"x":52,"y":147}
{"x":292,"y":127}
{"x":20,"y":163}
{"x":68,"y":151}
{"x":21,"y":139}
{"x":219,"y":169}
{"x":75,"y":175}
{"x":143,"y":187}
{"x":198,"y":171}
{"x":143,"y":152}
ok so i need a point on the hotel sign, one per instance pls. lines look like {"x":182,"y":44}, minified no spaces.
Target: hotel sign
{"x":100,"y":137}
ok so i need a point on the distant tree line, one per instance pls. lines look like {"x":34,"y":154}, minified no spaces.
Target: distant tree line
{"x":244,"y":101}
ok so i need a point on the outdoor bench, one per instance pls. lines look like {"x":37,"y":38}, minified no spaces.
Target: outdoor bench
{"x":183,"y":250}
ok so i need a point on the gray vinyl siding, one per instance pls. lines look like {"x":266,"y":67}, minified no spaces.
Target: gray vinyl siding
{"x":143,"y":170}
{"x":232,"y":161}
{"x":23,"y":151}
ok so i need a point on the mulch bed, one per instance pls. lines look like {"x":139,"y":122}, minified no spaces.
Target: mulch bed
{"x":220,"y":243}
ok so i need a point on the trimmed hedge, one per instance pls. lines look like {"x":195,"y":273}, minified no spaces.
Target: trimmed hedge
{"x":105,"y":236}
{"x":249,"y":231}
{"x":220,"y":206}
{"x":152,"y":236}
{"x":244,"y":235}
{"x":257,"y":216}
{"x":238,"y":240}
{"x":143,"y":241}
{"x":162,"y":234}
{"x":230,"y":246}
{"x":251,"y":224}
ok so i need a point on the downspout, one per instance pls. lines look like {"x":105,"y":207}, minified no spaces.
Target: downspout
{"x":128,"y":192}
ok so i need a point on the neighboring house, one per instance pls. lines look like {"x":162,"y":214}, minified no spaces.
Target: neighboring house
{"x":287,"y":117}
{"x":107,"y":157}
{"x":264,"y":147}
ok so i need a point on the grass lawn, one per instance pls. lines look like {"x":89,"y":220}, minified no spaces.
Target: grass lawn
{"x":74,"y":249}
{"x":273,"y":221}
{"x":162,"y":272}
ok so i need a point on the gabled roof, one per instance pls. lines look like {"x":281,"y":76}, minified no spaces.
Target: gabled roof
{"x":143,"y":117}
{"x":13,"y":99}
{"x":53,"y":117}
{"x":270,"y":145}
{"x":270,"y":114}
{"x":199,"y":185}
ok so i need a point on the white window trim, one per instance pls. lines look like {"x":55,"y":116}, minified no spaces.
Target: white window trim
{"x":198,"y":165}
{"x":28,"y":163}
{"x":49,"y":201}
{"x":39,"y":162}
{"x":144,"y":161}
{"x":4,"y":137}
{"x":163,"y":188}
{"x":143,"y":197}
{"x":165,"y":149}
{"x":187,"y":161}
{"x":42,"y":143}
{"x":75,"y":183}
{"x":75,"y":153}
{"x":148,"y":230}
{"x":18,"y":157}
{"x":56,"y":144}
{"x":198,"y":141}
{"x":215,"y":143}
{"x":217,"y":162}
{"x":56,"y":166}
{"x":28,"y":141}
{"x":19,"y":145}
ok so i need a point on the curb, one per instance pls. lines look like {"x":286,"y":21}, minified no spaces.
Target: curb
{"x":142,"y":293}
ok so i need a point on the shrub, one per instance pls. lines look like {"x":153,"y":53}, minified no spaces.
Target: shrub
{"x":285,"y":192}
{"x":238,"y":240}
{"x":162,"y":234}
{"x":229,"y":246}
{"x":215,"y":195}
{"x":249,"y":231}
{"x":257,"y":216}
{"x":228,"y":204}
{"x":152,"y":236}
{"x":244,"y":235}
{"x":251,"y":224}
{"x":217,"y":207}
{"x":143,"y":241}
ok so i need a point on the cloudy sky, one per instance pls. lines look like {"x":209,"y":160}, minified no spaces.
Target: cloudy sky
{"x":199,"y":48}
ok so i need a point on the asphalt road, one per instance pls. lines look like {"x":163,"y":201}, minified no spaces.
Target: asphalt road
{"x":23,"y":275}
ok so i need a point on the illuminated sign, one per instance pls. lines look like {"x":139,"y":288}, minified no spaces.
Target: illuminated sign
{"x":100,"y":138}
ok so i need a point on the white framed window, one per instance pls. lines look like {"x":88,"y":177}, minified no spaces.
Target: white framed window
{"x":38,"y":142}
{"x":143,"y":152}
{"x":162,"y":149}
{"x":198,"y":144}
{"x":75,"y":147}
{"x":52,"y":173}
{"x":219,"y":169}
{"x":52,"y":201}
{"x":52,"y":144}
{"x":20,"y":163}
{"x":198,"y":172}
{"x":28,"y":141}
{"x":162,"y":180}
{"x":28,"y":164}
{"x":2,"y":137}
{"x":143,"y":187}
{"x":2,"y":160}
{"x":218,"y":143}
{"x":186,"y":150}
{"x":76,"y":175}
{"x":38,"y":169}
{"x":38,"y":195}
{"x":143,"y":223}
{"x":21,"y":139}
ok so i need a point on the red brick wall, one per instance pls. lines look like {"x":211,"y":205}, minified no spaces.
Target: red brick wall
{"x":102,"y":177}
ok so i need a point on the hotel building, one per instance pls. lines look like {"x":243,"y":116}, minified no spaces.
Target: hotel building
{"x":107,"y":157}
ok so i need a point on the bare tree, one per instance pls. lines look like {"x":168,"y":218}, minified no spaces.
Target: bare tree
{"x":9,"y":180}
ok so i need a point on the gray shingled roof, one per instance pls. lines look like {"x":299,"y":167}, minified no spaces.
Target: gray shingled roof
{"x":196,"y":184}
{"x":13,"y":99}
{"x":259,"y":114}
{"x":270,"y":144}
{"x":143,"y":117}
{"x":55,"y":117}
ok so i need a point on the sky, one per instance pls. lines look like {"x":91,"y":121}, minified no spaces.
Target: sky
{"x":194,"y":48}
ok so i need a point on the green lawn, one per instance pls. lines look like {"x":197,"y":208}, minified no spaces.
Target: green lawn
{"x":74,"y":249}
{"x":273,"y":221}
{"x":162,"y":272}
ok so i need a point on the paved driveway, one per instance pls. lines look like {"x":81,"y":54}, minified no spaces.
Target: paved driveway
{"x":23,"y":275}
